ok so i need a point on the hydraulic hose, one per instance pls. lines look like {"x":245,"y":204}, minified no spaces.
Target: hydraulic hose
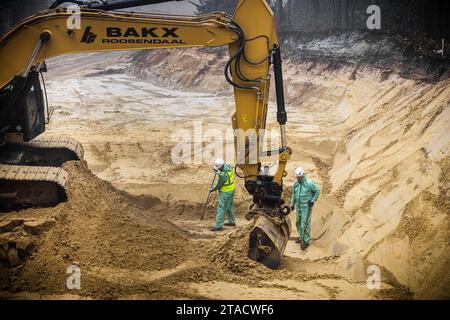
{"x":236,"y":28}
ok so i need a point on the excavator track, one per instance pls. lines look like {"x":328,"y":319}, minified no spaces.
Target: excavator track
{"x":28,"y":186}
{"x":60,"y":142}
{"x":31,"y":173}
{"x":48,"y":151}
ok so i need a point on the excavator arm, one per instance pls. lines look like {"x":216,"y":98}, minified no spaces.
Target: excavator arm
{"x":253,"y":45}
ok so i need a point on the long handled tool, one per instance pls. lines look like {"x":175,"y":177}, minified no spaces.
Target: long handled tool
{"x":207,"y":199}
{"x":324,"y":232}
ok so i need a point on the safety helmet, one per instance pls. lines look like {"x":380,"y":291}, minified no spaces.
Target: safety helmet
{"x":299,"y":172}
{"x":218,"y":163}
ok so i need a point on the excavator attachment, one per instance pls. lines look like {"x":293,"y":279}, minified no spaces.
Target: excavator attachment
{"x":251,"y":77}
{"x":268,"y":239}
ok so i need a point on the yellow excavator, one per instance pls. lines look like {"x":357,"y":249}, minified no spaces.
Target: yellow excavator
{"x":31,"y":172}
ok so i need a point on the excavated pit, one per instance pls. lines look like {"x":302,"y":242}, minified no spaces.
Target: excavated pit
{"x":376,"y":142}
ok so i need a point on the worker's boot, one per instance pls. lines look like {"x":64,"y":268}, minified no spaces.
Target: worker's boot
{"x":304,"y":246}
{"x":230,"y":224}
{"x":216,"y":229}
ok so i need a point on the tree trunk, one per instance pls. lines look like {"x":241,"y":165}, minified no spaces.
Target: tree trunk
{"x":279,"y":14}
{"x":346,"y":13}
{"x":290,"y":8}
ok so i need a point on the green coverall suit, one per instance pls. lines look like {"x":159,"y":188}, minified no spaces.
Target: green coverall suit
{"x":302,"y":194}
{"x":225,"y":185}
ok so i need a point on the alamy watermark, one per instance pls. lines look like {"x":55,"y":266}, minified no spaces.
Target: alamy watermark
{"x":74,"y":20}
{"x":374,"y":20}
{"x":238,"y":146}
{"x":74,"y":279}
{"x":373,"y":277}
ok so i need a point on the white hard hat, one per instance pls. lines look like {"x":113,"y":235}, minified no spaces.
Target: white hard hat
{"x":299,"y":172}
{"x":219,"y":163}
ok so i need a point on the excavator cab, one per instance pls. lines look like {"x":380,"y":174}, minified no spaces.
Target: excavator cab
{"x":26,"y":119}
{"x":29,"y":118}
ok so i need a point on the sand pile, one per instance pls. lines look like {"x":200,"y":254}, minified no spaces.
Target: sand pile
{"x":230,"y":252}
{"x":107,"y":233}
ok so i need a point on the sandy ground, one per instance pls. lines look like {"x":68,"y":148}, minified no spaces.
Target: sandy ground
{"x":377,"y":145}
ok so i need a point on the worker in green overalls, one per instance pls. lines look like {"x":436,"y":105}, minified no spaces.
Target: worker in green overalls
{"x":305,"y":193}
{"x":225,"y":185}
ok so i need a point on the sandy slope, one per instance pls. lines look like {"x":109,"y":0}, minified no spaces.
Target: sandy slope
{"x":376,"y":143}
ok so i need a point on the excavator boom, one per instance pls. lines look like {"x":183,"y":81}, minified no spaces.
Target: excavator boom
{"x":106,"y":31}
{"x":253,"y":45}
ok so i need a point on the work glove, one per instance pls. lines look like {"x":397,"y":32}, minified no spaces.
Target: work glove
{"x":311,"y":203}
{"x":211,"y":190}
